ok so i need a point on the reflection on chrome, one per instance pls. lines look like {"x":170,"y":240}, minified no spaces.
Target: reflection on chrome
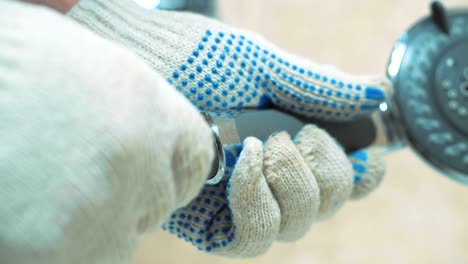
{"x":383,"y":107}
{"x":397,"y":56}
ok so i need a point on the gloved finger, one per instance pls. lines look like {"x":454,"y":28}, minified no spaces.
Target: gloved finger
{"x":324,"y":92}
{"x":255,"y":212}
{"x":330,"y":166}
{"x":293,"y":185}
{"x":219,"y":68}
{"x":207,"y":222}
{"x":369,"y":169}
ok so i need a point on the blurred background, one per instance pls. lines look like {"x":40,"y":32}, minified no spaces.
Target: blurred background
{"x":417,"y":215}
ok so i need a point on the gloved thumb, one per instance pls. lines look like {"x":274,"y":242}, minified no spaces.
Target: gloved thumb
{"x":369,"y":168}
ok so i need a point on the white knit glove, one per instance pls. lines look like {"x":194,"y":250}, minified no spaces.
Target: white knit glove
{"x":276,"y":190}
{"x":95,"y":147}
{"x":221,"y":68}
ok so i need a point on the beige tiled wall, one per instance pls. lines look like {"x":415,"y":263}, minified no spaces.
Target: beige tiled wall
{"x":416,"y":216}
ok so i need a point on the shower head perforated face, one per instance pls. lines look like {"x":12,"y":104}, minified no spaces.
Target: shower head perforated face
{"x":429,"y":70}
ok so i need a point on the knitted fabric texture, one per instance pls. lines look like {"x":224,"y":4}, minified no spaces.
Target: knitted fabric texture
{"x":221,"y":68}
{"x":276,"y":189}
{"x":91,"y":156}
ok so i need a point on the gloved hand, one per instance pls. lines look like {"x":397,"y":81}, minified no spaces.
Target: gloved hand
{"x":96,"y":147}
{"x":277,"y":190}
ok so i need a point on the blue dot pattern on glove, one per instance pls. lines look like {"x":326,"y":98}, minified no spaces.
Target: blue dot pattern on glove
{"x":359,"y":160}
{"x":228,"y":71}
{"x":207,"y":222}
